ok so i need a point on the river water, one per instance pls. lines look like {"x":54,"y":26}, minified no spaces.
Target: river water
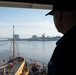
{"x":39,"y":50}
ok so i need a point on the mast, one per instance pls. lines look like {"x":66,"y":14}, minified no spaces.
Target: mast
{"x":13,"y":43}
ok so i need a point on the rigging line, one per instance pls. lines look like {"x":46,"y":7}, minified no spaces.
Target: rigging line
{"x":10,"y":49}
{"x":17,"y":47}
{"x":36,"y":60}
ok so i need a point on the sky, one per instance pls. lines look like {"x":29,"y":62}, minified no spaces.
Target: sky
{"x":27,"y":22}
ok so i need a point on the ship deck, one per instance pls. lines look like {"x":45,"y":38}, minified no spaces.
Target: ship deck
{"x":18,"y":67}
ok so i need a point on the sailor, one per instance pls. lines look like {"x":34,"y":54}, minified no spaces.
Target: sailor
{"x":63,"y":58}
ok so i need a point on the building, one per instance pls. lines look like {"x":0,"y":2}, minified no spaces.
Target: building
{"x":16,"y":36}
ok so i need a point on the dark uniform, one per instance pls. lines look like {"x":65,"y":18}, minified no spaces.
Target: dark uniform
{"x":63,"y":60}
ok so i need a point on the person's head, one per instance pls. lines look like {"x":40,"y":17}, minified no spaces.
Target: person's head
{"x":64,"y":13}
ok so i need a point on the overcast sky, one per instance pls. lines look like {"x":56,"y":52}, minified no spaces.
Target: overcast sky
{"x":27,"y":22}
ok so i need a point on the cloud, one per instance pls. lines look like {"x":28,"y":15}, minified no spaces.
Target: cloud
{"x":40,"y":24}
{"x":29,"y":29}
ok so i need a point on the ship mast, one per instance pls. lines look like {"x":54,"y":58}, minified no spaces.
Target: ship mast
{"x":13,"y":43}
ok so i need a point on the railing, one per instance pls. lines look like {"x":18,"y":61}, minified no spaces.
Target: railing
{"x":16,"y":70}
{"x":19,"y":71}
{"x":2,"y":69}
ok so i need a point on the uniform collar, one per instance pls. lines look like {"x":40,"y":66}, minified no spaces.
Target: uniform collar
{"x":68,"y":34}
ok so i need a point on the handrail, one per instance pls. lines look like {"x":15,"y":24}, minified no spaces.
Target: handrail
{"x":16,"y":69}
{"x":4,"y":66}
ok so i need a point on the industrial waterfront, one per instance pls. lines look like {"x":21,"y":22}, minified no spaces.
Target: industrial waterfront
{"x":36,"y":38}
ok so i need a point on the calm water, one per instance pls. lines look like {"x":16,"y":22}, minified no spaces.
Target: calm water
{"x":39,"y":50}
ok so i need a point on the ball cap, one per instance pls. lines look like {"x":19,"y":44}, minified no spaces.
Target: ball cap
{"x":65,"y":5}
